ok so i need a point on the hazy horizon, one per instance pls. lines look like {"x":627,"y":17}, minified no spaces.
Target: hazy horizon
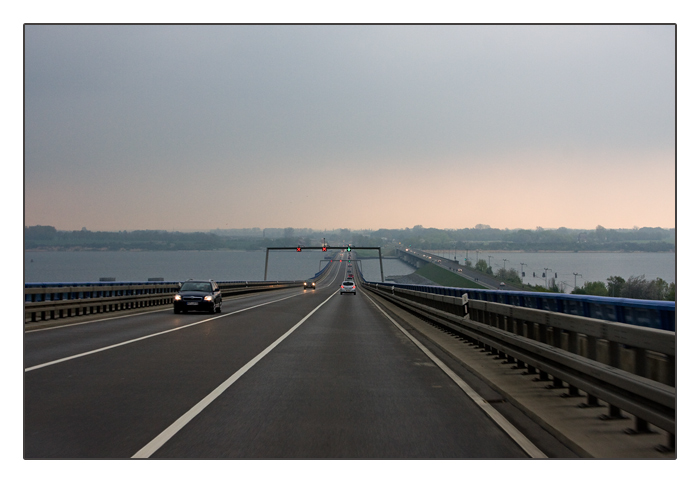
{"x":361,"y":229}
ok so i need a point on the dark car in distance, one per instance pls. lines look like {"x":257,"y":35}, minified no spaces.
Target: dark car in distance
{"x":198,"y":295}
{"x":310,"y":284}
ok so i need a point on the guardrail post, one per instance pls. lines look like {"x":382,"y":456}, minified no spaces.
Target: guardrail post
{"x":530,"y":326}
{"x":641,"y":367}
{"x":671,"y":371}
{"x":501,"y":323}
{"x":519,"y":330}
{"x":591,"y":348}
{"x":556,"y":342}
{"x":614,"y":360}
{"x":542,"y":337}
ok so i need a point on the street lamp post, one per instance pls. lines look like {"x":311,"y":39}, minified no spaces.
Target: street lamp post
{"x":576,"y":275}
{"x":522,"y":270}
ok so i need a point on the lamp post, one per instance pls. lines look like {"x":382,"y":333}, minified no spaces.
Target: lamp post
{"x":522,"y":270}
{"x":576,"y":275}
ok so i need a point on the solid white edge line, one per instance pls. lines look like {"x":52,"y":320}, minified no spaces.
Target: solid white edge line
{"x":519,"y":438}
{"x":171,"y":430}
{"x":83,"y":354}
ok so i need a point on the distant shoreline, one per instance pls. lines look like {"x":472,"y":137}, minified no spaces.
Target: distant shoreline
{"x":87,"y":249}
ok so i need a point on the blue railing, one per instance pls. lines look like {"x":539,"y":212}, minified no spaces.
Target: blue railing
{"x":644,"y":313}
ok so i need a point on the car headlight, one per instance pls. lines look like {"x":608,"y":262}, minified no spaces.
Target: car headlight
{"x":178,"y":297}
{"x":208,"y":298}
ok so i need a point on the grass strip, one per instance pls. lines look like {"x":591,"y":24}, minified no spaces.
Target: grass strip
{"x":445,"y":278}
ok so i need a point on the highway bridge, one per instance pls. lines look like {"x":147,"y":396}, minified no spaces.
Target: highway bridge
{"x":396,"y":372}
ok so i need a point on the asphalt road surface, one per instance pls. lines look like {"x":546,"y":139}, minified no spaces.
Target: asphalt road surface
{"x":286,"y":374}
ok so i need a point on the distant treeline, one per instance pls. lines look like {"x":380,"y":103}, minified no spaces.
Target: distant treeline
{"x":480,"y":237}
{"x":48,"y":238}
{"x":560,"y":239}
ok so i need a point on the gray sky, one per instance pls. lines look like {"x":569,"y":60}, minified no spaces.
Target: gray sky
{"x":201,"y":127}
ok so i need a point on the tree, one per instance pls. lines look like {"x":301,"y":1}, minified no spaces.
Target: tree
{"x":510,"y":275}
{"x":615,"y":285}
{"x":671,"y":295}
{"x":482,"y":266}
{"x":592,"y":288}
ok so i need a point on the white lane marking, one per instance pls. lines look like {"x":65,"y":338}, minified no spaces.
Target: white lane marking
{"x":83,"y":354}
{"x":182,"y":421}
{"x":519,"y":438}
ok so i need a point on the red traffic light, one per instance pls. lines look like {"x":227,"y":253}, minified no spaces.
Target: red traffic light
{"x":298,"y":249}
{"x":324,"y":249}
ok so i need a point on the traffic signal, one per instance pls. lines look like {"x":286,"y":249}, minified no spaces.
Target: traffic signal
{"x":324,"y":249}
{"x":349,"y":249}
{"x":298,"y":249}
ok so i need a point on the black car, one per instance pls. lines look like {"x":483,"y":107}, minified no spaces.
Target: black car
{"x":310,"y":284}
{"x":198,"y":295}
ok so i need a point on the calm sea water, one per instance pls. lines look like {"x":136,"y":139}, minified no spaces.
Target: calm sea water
{"x":90,"y":266}
{"x":241,"y":265}
{"x":591,"y":267}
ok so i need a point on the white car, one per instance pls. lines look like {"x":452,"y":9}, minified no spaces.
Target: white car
{"x":348,"y":287}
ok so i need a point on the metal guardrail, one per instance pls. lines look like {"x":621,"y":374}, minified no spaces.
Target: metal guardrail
{"x":631,"y":368}
{"x":48,"y":301}
{"x":655,"y":314}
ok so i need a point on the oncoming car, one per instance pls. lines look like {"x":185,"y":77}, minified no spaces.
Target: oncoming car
{"x":198,"y":295}
{"x":310,"y":284}
{"x":348,"y":287}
